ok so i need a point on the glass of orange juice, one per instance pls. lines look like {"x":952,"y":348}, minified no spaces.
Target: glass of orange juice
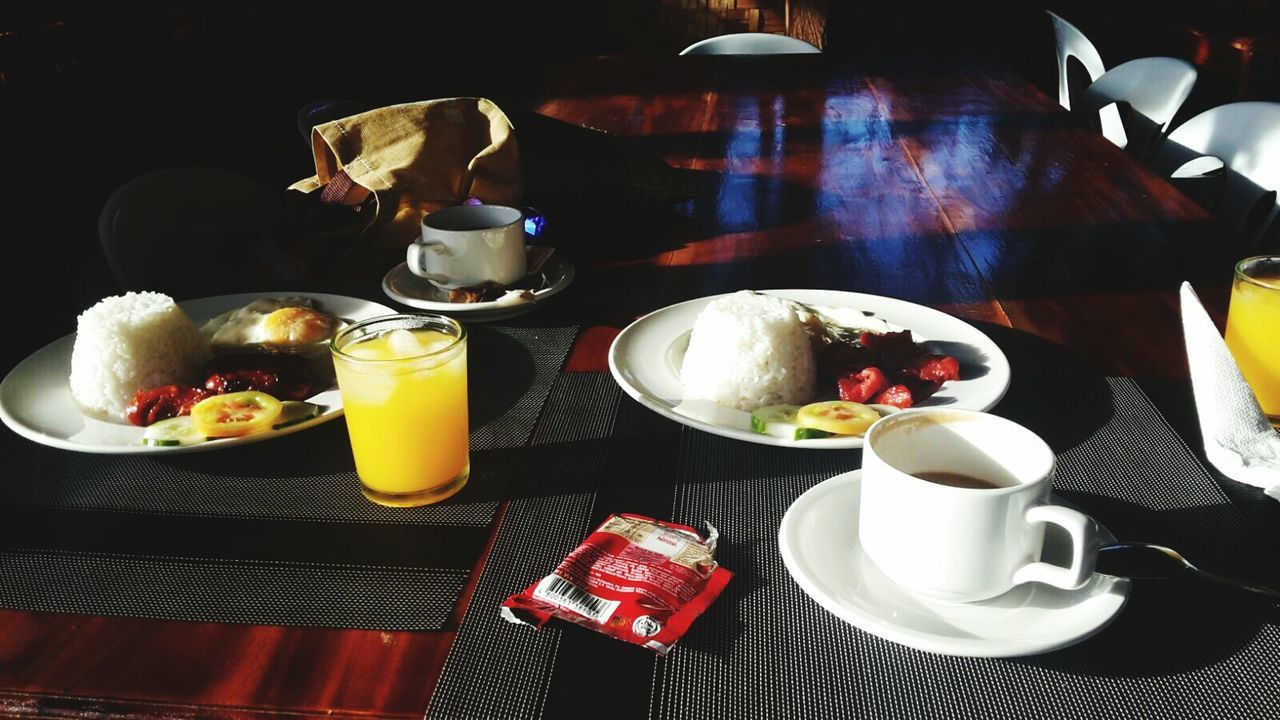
{"x":1253,"y":329}
{"x":403,"y":380}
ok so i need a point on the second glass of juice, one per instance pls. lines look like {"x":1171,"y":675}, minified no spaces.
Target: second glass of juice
{"x":1253,"y":329}
{"x":403,"y":380}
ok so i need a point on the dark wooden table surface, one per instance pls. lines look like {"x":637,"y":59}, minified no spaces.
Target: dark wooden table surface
{"x":964,"y":189}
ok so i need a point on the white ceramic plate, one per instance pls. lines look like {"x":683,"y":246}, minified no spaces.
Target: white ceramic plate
{"x":36,"y":402}
{"x":401,"y":285}
{"x":645,"y":358}
{"x":819,"y":543}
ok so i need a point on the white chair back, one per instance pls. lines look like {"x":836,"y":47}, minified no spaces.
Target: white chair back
{"x":750,"y":44}
{"x":1245,"y":137}
{"x":1071,"y":43}
{"x":1155,"y":88}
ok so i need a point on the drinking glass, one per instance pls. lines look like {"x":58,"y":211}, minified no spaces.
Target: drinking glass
{"x":403,"y":380}
{"x":1253,"y":329}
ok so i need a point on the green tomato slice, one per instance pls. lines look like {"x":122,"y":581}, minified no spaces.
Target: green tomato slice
{"x":839,"y":417}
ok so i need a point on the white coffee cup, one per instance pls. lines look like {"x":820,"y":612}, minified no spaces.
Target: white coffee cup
{"x":964,"y":543}
{"x":470,"y":245}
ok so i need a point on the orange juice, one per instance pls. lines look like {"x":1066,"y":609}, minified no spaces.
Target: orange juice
{"x":404,"y":390}
{"x":1253,"y":329}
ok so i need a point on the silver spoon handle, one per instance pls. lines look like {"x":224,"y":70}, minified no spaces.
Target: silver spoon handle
{"x":1239,"y":584}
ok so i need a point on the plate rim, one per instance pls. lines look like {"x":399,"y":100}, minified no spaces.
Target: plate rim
{"x":232,"y":300}
{"x":996,"y":358}
{"x":489,"y":310}
{"x":920,"y":640}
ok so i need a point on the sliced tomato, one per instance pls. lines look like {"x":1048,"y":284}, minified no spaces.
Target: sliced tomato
{"x":235,"y":414}
{"x":899,"y":396}
{"x":933,"y":368}
{"x":861,"y":386}
{"x":837,"y":416}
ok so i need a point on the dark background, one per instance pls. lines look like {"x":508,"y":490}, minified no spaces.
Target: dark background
{"x":93,"y":95}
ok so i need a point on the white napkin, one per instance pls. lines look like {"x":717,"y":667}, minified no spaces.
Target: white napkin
{"x":1238,"y":440}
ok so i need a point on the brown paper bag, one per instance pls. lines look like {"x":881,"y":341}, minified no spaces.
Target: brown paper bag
{"x":416,"y":158}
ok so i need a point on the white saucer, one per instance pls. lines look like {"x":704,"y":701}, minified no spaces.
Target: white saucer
{"x":401,"y":285}
{"x":819,"y":543}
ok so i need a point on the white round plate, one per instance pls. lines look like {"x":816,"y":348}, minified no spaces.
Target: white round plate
{"x":645,"y":358}
{"x":401,"y":285}
{"x":819,"y":543}
{"x":36,"y":402}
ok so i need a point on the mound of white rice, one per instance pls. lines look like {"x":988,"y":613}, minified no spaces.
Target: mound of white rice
{"x":129,"y":342}
{"x":749,"y":350}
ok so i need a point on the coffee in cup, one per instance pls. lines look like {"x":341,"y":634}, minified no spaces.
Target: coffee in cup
{"x":963,"y":480}
{"x":470,"y":245}
{"x":954,"y":505}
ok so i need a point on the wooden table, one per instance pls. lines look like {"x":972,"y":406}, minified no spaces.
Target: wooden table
{"x":959,"y":188}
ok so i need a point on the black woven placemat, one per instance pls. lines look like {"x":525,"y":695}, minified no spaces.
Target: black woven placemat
{"x":766,"y":650}
{"x":274,"y":532}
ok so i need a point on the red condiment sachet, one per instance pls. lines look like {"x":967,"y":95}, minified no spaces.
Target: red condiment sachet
{"x":635,"y":578}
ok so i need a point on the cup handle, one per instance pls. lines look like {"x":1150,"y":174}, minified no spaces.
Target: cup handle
{"x":414,"y":252}
{"x":1084,"y":549}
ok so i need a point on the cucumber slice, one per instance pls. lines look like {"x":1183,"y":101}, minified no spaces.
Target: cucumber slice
{"x":776,"y":420}
{"x":172,"y":433}
{"x":804,"y":433}
{"x":293,"y":412}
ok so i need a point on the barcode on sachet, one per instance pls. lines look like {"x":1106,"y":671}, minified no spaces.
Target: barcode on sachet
{"x":558,"y":591}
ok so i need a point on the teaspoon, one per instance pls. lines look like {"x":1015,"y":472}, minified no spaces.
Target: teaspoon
{"x":1156,"y":562}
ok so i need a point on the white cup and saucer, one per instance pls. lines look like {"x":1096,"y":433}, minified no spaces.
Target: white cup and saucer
{"x":474,"y":245}
{"x":939,"y":541}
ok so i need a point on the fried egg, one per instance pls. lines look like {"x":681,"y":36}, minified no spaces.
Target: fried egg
{"x":286,"y":324}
